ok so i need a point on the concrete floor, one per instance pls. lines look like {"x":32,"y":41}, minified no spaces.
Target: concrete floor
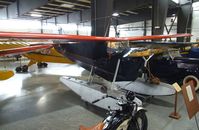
{"x":39,"y":101}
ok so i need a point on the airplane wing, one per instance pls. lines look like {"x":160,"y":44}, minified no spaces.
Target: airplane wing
{"x":163,"y":43}
{"x":23,"y":35}
{"x":21,"y":50}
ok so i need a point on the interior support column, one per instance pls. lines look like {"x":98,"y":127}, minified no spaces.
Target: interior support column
{"x":101,"y":13}
{"x":159,"y":14}
{"x":184,"y":19}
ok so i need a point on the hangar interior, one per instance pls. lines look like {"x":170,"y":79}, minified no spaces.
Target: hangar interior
{"x":37,"y":99}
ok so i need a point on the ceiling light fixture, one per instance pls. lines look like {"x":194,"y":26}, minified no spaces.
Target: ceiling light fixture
{"x":131,"y":12}
{"x":176,"y":1}
{"x":36,"y":15}
{"x":115,"y":14}
{"x":67,"y":5}
{"x":157,"y":27}
{"x":85,"y":1}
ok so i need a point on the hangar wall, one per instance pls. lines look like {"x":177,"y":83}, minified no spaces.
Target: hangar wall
{"x":20,"y":25}
{"x":195,"y":27}
{"x":50,"y":26}
{"x":138,"y":29}
{"x":79,"y":23}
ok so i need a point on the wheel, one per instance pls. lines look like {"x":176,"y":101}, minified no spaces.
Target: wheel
{"x":45,"y":64}
{"x":42,"y":65}
{"x":18,"y":69}
{"x":25,"y":68}
{"x":39,"y":65}
{"x":139,"y":122}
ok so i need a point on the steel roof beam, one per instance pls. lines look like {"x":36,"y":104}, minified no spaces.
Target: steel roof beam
{"x":121,"y":6}
{"x":26,"y":6}
{"x":56,"y":5}
{"x":72,"y":3}
{"x":48,"y":11}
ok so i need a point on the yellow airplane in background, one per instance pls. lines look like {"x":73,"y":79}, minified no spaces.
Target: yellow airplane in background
{"x":35,"y":56}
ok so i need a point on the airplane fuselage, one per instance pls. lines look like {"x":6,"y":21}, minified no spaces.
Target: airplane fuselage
{"x":88,"y":54}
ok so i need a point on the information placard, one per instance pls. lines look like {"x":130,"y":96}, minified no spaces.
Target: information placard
{"x":177,"y":87}
{"x":190,"y":99}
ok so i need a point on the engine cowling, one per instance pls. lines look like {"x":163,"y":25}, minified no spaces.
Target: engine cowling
{"x":192,"y":78}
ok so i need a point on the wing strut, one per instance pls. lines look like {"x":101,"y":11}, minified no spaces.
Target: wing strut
{"x":146,"y":60}
{"x":152,"y":79}
{"x":115,"y":75}
{"x":90,"y":75}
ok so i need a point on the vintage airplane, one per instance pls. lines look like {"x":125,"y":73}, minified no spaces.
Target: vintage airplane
{"x":91,"y":52}
{"x":6,"y":74}
{"x":34,"y":54}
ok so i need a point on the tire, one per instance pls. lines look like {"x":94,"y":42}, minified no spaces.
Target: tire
{"x":139,"y":122}
{"x":39,"y":65}
{"x":25,"y":68}
{"x":18,"y":69}
{"x":45,"y":65}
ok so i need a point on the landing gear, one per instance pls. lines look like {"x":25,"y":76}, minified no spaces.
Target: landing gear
{"x":22,"y":69}
{"x":42,"y":65}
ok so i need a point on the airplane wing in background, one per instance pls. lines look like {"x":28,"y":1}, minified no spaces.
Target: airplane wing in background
{"x":22,"y":50}
{"x":22,"y":35}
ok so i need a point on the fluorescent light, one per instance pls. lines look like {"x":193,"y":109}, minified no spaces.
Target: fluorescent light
{"x":131,"y":12}
{"x":36,"y":15}
{"x":157,"y":27}
{"x":176,"y":1}
{"x":115,"y":14}
{"x":85,"y":1}
{"x":67,"y":5}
